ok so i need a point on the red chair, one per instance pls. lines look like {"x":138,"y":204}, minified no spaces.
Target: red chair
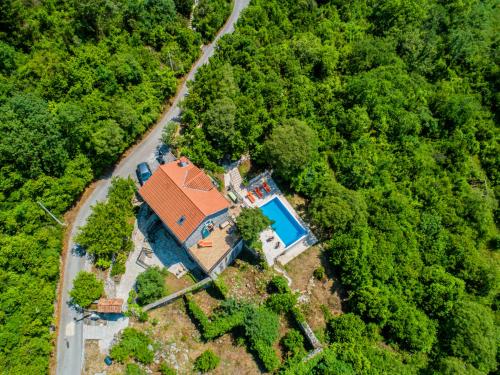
{"x":259,"y":193}
{"x":266,"y":187}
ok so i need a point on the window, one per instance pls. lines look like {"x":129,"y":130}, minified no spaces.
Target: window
{"x":181,"y":220}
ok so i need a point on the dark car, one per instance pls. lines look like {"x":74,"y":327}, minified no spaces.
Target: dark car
{"x":143,"y":172}
{"x":161,"y":151}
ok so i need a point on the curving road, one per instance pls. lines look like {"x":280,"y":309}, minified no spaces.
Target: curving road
{"x":70,"y":338}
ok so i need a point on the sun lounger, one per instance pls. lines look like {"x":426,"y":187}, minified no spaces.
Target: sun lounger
{"x":203,"y":243}
{"x":259,"y":193}
{"x":266,"y":187}
{"x":250,"y":197}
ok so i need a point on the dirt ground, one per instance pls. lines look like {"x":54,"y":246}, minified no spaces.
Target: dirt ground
{"x":320,"y":294}
{"x":178,"y":339}
{"x":181,"y":343}
{"x":94,"y":361}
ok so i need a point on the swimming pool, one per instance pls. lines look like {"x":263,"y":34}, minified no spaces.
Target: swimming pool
{"x":285,"y":225}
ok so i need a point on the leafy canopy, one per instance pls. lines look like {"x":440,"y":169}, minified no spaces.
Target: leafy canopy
{"x":86,"y":289}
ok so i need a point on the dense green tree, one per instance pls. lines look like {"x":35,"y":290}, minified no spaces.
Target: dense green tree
{"x":471,"y":334}
{"x":109,"y":227}
{"x":291,"y":147}
{"x":86,"y":289}
{"x":398,"y":161}
{"x":346,"y":328}
{"x":251,"y":222}
{"x":80,"y":81}
{"x":150,"y":285}
{"x":209,"y":16}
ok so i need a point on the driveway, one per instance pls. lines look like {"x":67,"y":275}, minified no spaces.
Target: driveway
{"x":70,"y":343}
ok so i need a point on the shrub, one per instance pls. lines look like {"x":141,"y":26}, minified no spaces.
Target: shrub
{"x":207,"y":361}
{"x":134,"y":369}
{"x":118,"y":267}
{"x":262,"y":330}
{"x":166,"y":369}
{"x":319,"y":273}
{"x":150,"y":286}
{"x":281,"y":303}
{"x":169,"y":133}
{"x":197,"y":315}
{"x":221,"y":287}
{"x":86,"y":289}
{"x":278,"y":284}
{"x":298,"y":315}
{"x":293,"y":343}
{"x":267,"y":355}
{"x":346,"y":328}
{"x":133,"y":344}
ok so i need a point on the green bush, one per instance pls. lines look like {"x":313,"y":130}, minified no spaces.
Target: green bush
{"x":281,"y":303}
{"x":134,"y":369}
{"x":298,"y":315}
{"x":207,"y":361}
{"x":262,"y":330}
{"x":221,"y":287}
{"x":169,"y":133}
{"x":133,"y":344}
{"x":118,"y":267}
{"x":346,"y":328}
{"x":166,"y":369}
{"x":197,"y":314}
{"x":319,"y":273}
{"x":278,"y":284}
{"x":150,"y":286}
{"x":86,"y":289}
{"x":293,"y":343}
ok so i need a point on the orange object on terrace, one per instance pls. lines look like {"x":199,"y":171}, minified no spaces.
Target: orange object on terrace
{"x":250,"y":197}
{"x":203,"y":243}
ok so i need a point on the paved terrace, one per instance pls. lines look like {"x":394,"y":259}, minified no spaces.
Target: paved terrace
{"x":223,"y":241}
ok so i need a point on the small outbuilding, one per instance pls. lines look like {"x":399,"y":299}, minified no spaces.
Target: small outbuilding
{"x":110,"y":305}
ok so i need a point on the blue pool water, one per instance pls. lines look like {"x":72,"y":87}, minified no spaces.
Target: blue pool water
{"x":285,"y":225}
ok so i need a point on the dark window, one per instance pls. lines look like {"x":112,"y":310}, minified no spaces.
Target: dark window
{"x":181,"y":220}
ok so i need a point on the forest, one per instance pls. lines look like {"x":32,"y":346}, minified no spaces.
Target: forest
{"x":80,"y":81}
{"x":384,"y":117}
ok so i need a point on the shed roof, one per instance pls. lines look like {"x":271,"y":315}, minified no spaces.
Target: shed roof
{"x":182,"y":196}
{"x":110,"y":305}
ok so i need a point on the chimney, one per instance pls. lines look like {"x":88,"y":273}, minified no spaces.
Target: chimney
{"x":183,"y":162}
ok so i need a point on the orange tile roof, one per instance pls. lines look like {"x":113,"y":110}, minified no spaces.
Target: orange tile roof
{"x":178,"y":190}
{"x":110,"y":305}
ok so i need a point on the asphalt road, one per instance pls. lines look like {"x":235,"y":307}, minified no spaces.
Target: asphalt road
{"x":70,"y":338}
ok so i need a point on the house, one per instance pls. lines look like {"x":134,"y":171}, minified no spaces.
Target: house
{"x":192,"y":210}
{"x":110,"y":305}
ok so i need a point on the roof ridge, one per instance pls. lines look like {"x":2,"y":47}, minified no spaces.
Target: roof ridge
{"x":183,"y":193}
{"x":191,"y":178}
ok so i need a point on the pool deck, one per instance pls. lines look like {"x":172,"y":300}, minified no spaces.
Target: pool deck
{"x":282,"y":254}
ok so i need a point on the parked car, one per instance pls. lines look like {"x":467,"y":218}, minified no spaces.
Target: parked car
{"x":161,"y":151}
{"x":143,"y":172}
